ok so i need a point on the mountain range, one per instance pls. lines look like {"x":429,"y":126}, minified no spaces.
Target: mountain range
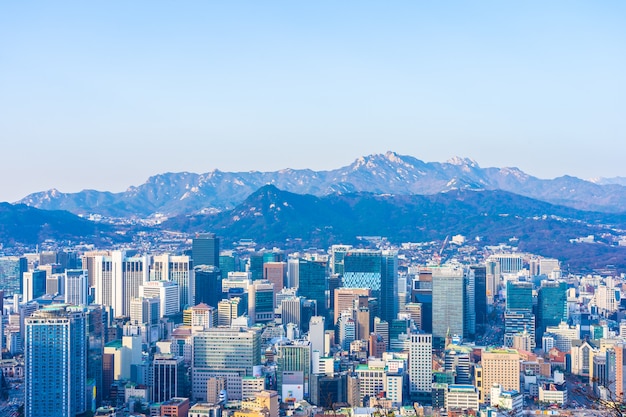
{"x":179,"y":193}
{"x":272,"y":216}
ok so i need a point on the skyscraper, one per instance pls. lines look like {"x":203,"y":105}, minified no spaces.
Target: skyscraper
{"x":208,"y":285}
{"x":56,"y":362}
{"x":480,"y":295}
{"x":76,"y":287}
{"x":420,"y":366}
{"x":205,"y":249}
{"x":448,"y":301}
{"x":34,"y":284}
{"x":312,"y":285}
{"x":377,"y":270}
{"x":117,"y":279}
{"x":551,"y":306}
{"x":178,"y":269}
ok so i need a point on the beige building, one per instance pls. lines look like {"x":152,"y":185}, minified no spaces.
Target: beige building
{"x":498,"y":366}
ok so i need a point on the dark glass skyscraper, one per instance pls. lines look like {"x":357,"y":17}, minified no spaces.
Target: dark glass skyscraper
{"x":480,"y":293}
{"x":312,"y":285}
{"x":205,"y":249}
{"x":551,"y":306}
{"x":519,"y":295}
{"x":208,"y":285}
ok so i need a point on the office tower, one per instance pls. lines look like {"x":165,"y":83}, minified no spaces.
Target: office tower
{"x":381,"y":327}
{"x":518,"y":317}
{"x":362,"y":322}
{"x":415,"y":312}
{"x":205,"y":249}
{"x":208,"y":285}
{"x":317,"y":334}
{"x":377,"y":345}
{"x":293,"y":365}
{"x":255,"y":266}
{"x":229,"y":262}
{"x":422,"y":293}
{"x":221,"y":352}
{"x":11,"y":270}
{"x":228,"y":310}
{"x":167,"y":293}
{"x":519,"y":295}
{"x":338,"y":252}
{"x":346,"y":330}
{"x":448,"y":301}
{"x":117,"y":279}
{"x":202,"y":315}
{"x":291,"y":310}
{"x":261,"y":307}
{"x":274,"y":272}
{"x":96,"y":323}
{"x":420,"y":366}
{"x":168,"y":378}
{"x":480,"y":293}
{"x":507,"y":263}
{"x":499,"y":366}
{"x":312,"y":283}
{"x":76,"y":286}
{"x":457,"y":360}
{"x":376,"y":270}
{"x":551,"y":306}
{"x":293,"y":269}
{"x":34,"y":285}
{"x":469,"y":305}
{"x":345,"y":298}
{"x":144,"y":310}
{"x":56,"y":362}
{"x":88,"y":262}
{"x":177,"y":269}
{"x":517,"y":322}
{"x":55,"y":284}
{"x":388,"y":304}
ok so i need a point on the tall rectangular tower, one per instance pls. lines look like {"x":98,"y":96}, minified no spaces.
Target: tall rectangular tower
{"x":448,"y":301}
{"x":205,"y":249}
{"x":421,"y":365}
{"x":56,"y":362}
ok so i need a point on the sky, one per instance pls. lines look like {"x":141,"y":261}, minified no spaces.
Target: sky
{"x":102,"y":95}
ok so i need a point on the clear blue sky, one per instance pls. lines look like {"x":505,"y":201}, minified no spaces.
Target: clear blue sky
{"x":104,"y":94}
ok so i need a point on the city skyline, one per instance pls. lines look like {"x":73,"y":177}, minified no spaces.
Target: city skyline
{"x":102,"y":96}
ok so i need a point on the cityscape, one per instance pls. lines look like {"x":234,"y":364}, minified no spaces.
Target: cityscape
{"x":417,"y":329}
{"x":312,"y":209}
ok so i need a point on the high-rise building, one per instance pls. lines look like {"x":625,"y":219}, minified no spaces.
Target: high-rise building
{"x":117,"y":279}
{"x":312,"y":283}
{"x":317,"y":335}
{"x":519,"y":295}
{"x":274,"y":272}
{"x":167,"y":293}
{"x":551,"y":306}
{"x":480,"y":295}
{"x":294,"y":357}
{"x":208,"y":284}
{"x":345,"y":298}
{"x":205,"y":249}
{"x":144,"y":310}
{"x":292,"y":310}
{"x":499,"y":366}
{"x":76,"y":287}
{"x":261,"y":306}
{"x":420,"y":365}
{"x":178,"y":269}
{"x":376,"y":270}
{"x":448,"y":301}
{"x":56,"y":362}
{"x":11,"y":270}
{"x":228,"y":310}
{"x":168,"y":378}
{"x":34,"y":284}
{"x":221,"y":352}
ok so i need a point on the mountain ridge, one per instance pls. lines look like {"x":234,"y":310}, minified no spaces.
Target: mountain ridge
{"x":175,"y":193}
